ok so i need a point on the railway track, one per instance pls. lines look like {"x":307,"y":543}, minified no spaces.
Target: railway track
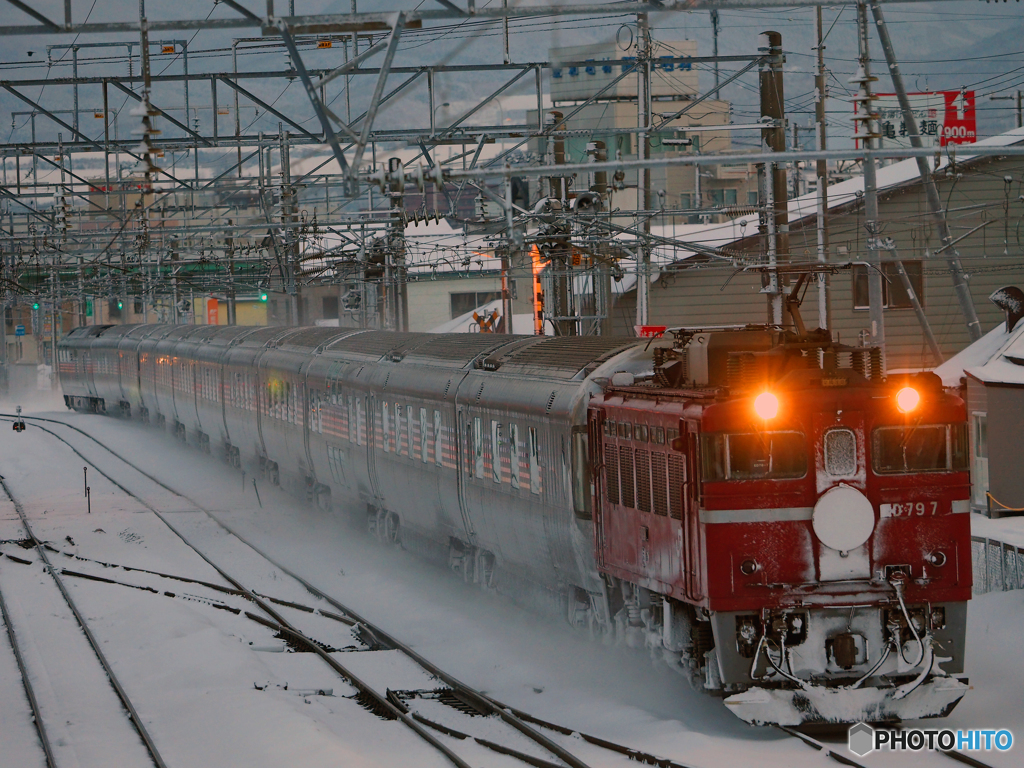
{"x":460,"y":704}
{"x":38,"y":713}
{"x":404,"y":704}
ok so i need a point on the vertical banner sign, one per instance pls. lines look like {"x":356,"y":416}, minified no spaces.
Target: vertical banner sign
{"x":942,"y":117}
{"x":212,"y":312}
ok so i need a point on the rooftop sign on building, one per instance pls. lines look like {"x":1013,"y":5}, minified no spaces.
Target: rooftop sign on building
{"x":579,"y":72}
{"x":943,"y":117}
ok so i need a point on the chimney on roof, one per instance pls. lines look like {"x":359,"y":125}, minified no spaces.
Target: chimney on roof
{"x":1010,"y":299}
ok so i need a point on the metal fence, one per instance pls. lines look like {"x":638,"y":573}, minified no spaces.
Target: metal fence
{"x":998,"y":566}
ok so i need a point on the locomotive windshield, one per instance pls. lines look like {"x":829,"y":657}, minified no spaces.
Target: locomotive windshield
{"x":922,"y":448}
{"x":754,"y":456}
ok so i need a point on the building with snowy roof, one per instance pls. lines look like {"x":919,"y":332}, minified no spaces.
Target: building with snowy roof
{"x":695,"y":280}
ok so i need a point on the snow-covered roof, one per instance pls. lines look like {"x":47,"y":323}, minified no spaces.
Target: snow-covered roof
{"x":995,"y":358}
{"x":725,"y":233}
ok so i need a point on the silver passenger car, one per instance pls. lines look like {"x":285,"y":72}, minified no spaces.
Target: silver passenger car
{"x":469,"y":447}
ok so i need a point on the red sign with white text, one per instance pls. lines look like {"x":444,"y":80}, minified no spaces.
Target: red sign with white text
{"x":942,"y":117}
{"x":212,"y":312}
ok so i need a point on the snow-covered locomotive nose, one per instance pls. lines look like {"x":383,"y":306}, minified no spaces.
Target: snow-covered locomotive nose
{"x":843,"y":518}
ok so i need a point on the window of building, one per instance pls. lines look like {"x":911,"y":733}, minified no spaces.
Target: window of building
{"x":979,"y":475}
{"x":751,"y":197}
{"x":894,"y":295}
{"x":330,"y":307}
{"x":461,"y":303}
{"x":721,"y":197}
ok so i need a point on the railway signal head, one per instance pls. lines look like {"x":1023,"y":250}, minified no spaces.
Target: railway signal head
{"x":35,"y":305}
{"x":766,"y":405}
{"x":263,"y":297}
{"x":907,"y":399}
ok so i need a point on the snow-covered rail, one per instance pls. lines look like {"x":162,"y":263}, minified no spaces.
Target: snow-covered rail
{"x":408,"y":706}
{"x":94,"y":644}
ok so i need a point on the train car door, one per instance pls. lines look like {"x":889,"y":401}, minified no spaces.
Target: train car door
{"x":595,"y":424}
{"x":464,"y":463}
{"x":371,"y":448}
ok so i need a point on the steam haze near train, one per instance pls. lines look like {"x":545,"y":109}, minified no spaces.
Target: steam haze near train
{"x":524,"y":658}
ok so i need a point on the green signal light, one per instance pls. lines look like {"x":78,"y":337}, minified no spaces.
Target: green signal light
{"x":120,"y":305}
{"x":36,"y":305}
{"x":263,"y":297}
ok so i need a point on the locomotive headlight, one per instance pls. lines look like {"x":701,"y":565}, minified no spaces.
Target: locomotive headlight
{"x":907,"y":399}
{"x":766,"y":405}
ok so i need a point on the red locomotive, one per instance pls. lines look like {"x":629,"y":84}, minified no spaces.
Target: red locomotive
{"x":790,"y":522}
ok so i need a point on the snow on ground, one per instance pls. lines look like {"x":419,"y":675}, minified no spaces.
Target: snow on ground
{"x":193,"y":668}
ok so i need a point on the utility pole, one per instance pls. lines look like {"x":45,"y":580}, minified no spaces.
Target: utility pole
{"x":643,"y":120}
{"x":960,"y":286}
{"x":232,"y":318}
{"x":821,"y":169}
{"x":560,"y":250}
{"x":714,"y":44}
{"x":773,"y":139}
{"x":291,"y":247}
{"x":868,"y":120}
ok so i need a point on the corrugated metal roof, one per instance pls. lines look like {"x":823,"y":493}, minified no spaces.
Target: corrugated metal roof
{"x":561,"y":356}
{"x":462,"y":348}
{"x":373,"y":345}
{"x":260,"y":335}
{"x":311,"y":338}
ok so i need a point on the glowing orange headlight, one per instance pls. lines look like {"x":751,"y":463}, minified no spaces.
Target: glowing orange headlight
{"x":766,"y":405}
{"x":907,"y":399}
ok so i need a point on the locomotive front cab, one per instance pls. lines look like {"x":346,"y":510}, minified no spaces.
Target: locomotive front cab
{"x":838,"y":555}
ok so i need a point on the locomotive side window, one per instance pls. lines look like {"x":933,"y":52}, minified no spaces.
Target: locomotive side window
{"x":609,"y":428}
{"x":658,"y":434}
{"x":930,"y":448}
{"x":625,"y":430}
{"x":754,"y":456}
{"x":840,"y":452}
{"x":640,"y":432}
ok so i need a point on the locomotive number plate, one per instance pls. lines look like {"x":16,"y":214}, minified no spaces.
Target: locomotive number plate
{"x":910,"y":509}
